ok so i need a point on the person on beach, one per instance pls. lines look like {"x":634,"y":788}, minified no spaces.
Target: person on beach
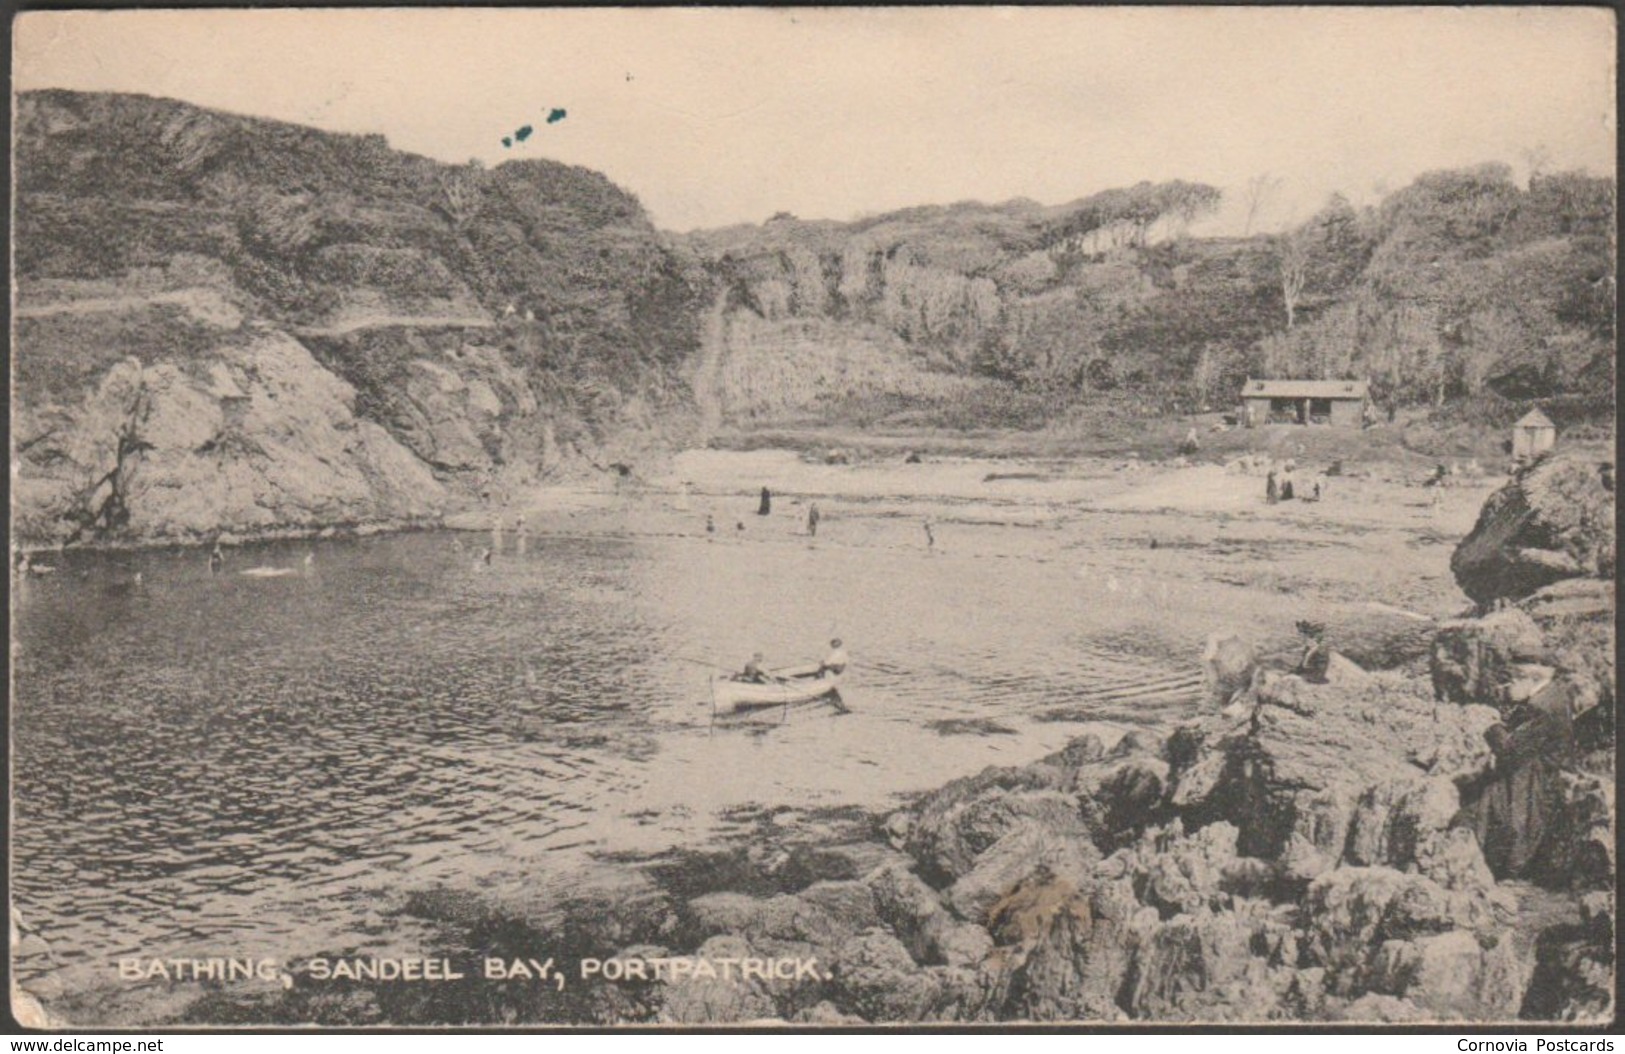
{"x":766,"y":506}
{"x":710,"y":525}
{"x":812,"y":520}
{"x":1272,"y":488}
{"x":835,"y":661}
{"x":930,"y":539}
{"x":217,"y":559}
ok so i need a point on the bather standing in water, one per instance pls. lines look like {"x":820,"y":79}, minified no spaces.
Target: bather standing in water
{"x":812,"y":520}
{"x":930,"y":539}
{"x":217,"y":559}
{"x":766,"y":506}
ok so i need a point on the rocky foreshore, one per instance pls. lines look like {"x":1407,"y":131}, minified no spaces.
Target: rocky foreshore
{"x":1330,"y":842}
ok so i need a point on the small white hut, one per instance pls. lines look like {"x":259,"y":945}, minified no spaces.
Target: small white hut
{"x":1533,"y":435}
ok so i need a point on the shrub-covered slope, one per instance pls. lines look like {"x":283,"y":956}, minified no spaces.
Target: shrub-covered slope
{"x":467,"y":330}
{"x":1461,"y":291}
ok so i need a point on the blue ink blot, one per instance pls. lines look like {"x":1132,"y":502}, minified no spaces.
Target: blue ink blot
{"x":555,"y":116}
{"x":523,"y":134}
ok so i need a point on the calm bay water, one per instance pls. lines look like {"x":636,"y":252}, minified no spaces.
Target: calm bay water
{"x":208,"y":763}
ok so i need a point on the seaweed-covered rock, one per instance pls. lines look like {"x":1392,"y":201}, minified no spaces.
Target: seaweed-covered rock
{"x":1043,"y":929}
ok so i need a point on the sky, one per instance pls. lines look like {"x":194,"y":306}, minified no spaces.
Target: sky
{"x":719,"y":116}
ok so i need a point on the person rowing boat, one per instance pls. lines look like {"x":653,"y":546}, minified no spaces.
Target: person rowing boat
{"x":753,"y":672}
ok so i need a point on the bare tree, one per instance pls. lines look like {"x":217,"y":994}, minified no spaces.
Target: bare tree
{"x":1292,"y":253}
{"x":460,"y":194}
{"x":1260,"y":189}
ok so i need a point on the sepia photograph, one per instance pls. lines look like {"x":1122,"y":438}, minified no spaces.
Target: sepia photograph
{"x":812,"y":518}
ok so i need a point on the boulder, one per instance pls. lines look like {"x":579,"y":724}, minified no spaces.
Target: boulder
{"x":958,"y":823}
{"x":1475,"y":660}
{"x":916,"y":915}
{"x":1373,"y":929}
{"x":1579,"y":851}
{"x":875,"y":978}
{"x":1576,"y":618}
{"x":1553,"y":520}
{"x":708,"y":1000}
{"x":1119,"y":800}
{"x":1064,"y":850}
{"x":1573,"y":978}
{"x":1212,"y":966}
{"x":1228,"y":663}
{"x":823,"y":915}
{"x":1454,"y":976}
{"x":1294,"y":776}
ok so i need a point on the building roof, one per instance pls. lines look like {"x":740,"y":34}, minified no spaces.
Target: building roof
{"x":1534,"y":419}
{"x":1305,"y":389}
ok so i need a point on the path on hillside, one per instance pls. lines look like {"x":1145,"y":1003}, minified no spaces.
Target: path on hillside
{"x":206,"y":304}
{"x":211,"y":306}
{"x":361,"y":322}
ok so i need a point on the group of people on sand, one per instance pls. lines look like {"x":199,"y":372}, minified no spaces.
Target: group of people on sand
{"x":1280,"y":484}
{"x":833,"y":663}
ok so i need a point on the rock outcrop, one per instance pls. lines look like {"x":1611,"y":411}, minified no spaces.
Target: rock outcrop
{"x":1555,"y":520}
{"x":258,"y":438}
{"x":1540,"y":561}
{"x":232,"y":324}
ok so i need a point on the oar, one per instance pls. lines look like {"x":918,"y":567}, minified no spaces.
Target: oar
{"x":699,"y":662}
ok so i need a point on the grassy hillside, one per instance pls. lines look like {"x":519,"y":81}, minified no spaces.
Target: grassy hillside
{"x":498,"y":324}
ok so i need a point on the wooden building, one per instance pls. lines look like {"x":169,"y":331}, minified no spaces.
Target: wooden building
{"x":1533,"y":435}
{"x":1340,"y":404}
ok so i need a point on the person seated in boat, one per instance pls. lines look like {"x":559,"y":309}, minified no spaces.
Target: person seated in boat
{"x":835,"y":662}
{"x":753,"y":672}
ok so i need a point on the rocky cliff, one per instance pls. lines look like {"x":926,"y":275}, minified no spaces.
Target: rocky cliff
{"x":225,"y":323}
{"x":1461,"y":290}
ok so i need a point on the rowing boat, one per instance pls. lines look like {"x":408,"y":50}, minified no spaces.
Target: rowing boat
{"x":792,"y":684}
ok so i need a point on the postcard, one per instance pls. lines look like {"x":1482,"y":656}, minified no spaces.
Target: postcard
{"x":1100,"y":517}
